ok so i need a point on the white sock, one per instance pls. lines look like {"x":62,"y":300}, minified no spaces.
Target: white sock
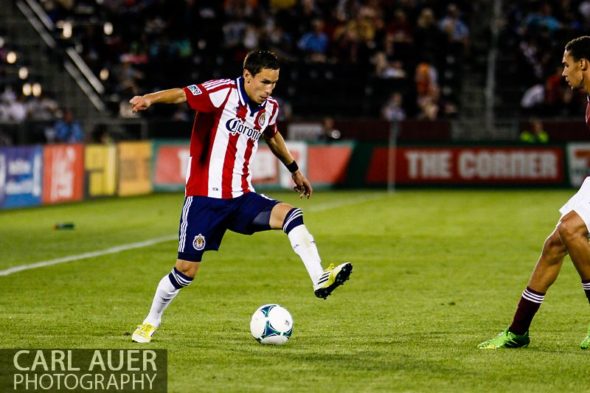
{"x":165,"y":293}
{"x":304,"y":246}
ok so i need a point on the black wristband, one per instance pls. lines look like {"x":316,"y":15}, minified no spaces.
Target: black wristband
{"x":292,"y":167}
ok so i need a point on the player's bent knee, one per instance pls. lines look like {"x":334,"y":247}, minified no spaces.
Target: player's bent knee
{"x":278,"y":214}
{"x":188,"y":268}
{"x":567,"y":229}
{"x":554,"y":245}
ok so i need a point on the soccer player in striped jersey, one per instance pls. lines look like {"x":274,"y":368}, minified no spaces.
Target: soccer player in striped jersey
{"x":231,"y":116}
{"x":571,"y":234}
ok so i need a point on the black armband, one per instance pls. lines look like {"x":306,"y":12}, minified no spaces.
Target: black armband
{"x":292,"y":167}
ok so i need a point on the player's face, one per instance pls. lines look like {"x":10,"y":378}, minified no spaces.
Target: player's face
{"x":573,"y":70}
{"x":260,"y":86}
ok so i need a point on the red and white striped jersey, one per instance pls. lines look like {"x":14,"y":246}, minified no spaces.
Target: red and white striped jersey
{"x":225,"y":136}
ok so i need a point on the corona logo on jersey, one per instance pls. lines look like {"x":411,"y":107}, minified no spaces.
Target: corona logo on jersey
{"x":237,"y":126}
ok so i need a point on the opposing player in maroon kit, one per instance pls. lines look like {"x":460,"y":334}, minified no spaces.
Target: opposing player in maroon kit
{"x":231,"y":115}
{"x":570,"y":236}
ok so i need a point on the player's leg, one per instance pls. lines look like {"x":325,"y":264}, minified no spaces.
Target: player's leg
{"x":574,"y":233}
{"x":290,"y":220}
{"x":544,"y":275}
{"x":201,"y":229}
{"x":181,"y":276}
{"x":284,"y":216}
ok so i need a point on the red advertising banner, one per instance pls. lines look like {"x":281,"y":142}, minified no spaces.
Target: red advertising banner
{"x":63,"y":173}
{"x":328,"y":164}
{"x":467,"y":165}
{"x":171,"y":165}
{"x":265,"y":168}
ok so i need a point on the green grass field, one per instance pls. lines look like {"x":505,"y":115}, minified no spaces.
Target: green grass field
{"x":435,"y":273}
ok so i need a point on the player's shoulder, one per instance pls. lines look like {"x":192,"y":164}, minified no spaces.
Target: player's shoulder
{"x":214,"y":85}
{"x":272,"y":103}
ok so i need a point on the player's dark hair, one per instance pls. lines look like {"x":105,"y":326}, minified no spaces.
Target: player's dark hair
{"x":257,"y":60}
{"x":579,"y":48}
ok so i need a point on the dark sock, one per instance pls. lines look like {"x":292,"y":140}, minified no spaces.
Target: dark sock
{"x":528,"y":306}
{"x":586,"y":286}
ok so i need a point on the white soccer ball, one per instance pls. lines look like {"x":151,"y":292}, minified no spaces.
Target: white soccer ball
{"x":271,"y":324}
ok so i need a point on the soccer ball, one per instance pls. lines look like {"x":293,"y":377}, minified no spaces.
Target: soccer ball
{"x":271,"y":324}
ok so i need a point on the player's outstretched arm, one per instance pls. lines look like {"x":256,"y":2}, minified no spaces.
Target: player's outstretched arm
{"x":170,"y":96}
{"x":277,"y":145}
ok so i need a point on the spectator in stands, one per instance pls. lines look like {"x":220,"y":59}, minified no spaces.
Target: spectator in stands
{"x":400,"y":28}
{"x":535,"y":53}
{"x":279,"y":40}
{"x":203,"y":37}
{"x":314,"y":44}
{"x":329,"y":132}
{"x":428,"y":39}
{"x":542,"y":19}
{"x":535,"y":133}
{"x":427,"y":90}
{"x":128,"y":76}
{"x":42,"y":108}
{"x":429,"y":105}
{"x":357,"y":38}
{"x":14,"y":110}
{"x":345,"y":44}
{"x":393,"y":109}
{"x":386,"y":69}
{"x":455,"y":29}
{"x":68,"y":130}
{"x":533,"y":99}
{"x":398,"y":42}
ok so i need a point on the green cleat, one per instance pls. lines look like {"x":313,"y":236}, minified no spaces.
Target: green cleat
{"x":506,"y":339}
{"x":585,"y":344}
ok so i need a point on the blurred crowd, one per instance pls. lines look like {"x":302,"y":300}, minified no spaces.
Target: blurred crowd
{"x":532,"y":39}
{"x":137,"y":46}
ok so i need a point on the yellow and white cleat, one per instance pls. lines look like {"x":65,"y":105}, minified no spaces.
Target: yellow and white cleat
{"x":331,"y":279}
{"x":143,"y":334}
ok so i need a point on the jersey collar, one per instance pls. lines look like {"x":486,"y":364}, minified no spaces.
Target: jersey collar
{"x":244,"y":99}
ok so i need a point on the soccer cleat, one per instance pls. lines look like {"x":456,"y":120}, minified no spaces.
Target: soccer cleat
{"x":143,"y":334}
{"x":506,"y":339}
{"x":331,"y":279}
{"x":585,"y":344}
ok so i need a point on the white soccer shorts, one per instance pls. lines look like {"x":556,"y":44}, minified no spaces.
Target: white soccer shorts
{"x":580,"y":203}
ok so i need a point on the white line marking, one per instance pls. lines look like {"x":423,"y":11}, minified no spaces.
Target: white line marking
{"x":124,"y":247}
{"x":86,"y":255}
